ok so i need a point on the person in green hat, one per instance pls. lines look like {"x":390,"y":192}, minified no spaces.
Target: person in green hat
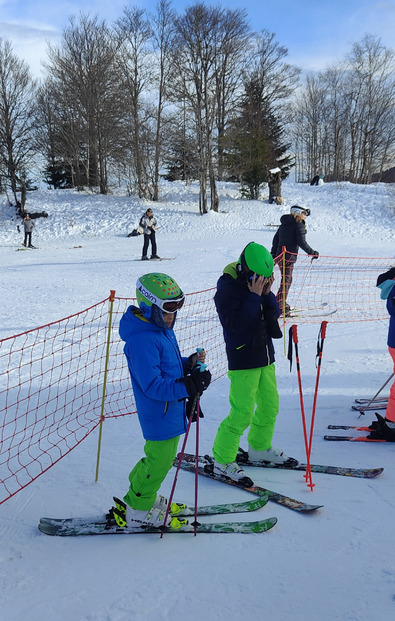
{"x":166,"y":387}
{"x":248,"y":312}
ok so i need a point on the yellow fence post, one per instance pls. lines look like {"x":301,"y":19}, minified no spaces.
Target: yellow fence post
{"x":111,"y":299}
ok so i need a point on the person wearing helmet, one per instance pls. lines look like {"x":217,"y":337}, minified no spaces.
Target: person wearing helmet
{"x":291,"y":234}
{"x":248,"y":312}
{"x":166,"y":388}
{"x":384,"y":428}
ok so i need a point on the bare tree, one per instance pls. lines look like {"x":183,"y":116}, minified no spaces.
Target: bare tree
{"x":135,"y":65}
{"x":86,"y":86}
{"x":206,"y":38}
{"x":16,"y":105}
{"x":163,"y":35}
{"x":345,"y":116}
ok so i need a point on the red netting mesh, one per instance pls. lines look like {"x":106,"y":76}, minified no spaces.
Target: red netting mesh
{"x":52,"y":378}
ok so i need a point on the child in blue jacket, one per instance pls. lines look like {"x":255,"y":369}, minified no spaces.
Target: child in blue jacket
{"x":165,"y":386}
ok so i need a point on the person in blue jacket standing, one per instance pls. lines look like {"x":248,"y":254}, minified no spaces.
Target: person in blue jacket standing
{"x":165,"y":387}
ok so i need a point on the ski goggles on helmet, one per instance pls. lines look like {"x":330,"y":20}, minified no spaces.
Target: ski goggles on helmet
{"x":171,"y":306}
{"x":168,"y":305}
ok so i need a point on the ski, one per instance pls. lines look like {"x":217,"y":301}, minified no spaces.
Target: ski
{"x":310,"y":312}
{"x":235,"y":507}
{"x":103,"y":528}
{"x":161,"y":259}
{"x":376,"y":400}
{"x":363,"y":473}
{"x":380,"y":405}
{"x":351,"y":439}
{"x":205,"y":469}
{"x":349,"y":427}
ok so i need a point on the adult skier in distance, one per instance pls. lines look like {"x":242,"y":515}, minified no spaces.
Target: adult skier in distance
{"x":166,"y":388}
{"x":249,"y":313}
{"x":384,"y":428}
{"x":149,"y":223}
{"x":292,"y":234}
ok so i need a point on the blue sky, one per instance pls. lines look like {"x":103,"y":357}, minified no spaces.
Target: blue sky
{"x":316,"y":33}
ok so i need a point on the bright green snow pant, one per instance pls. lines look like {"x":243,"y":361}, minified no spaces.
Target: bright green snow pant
{"x":254,"y":403}
{"x":149,"y":473}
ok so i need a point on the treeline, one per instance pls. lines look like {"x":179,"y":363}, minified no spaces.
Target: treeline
{"x":197,"y":95}
{"x":344,"y":121}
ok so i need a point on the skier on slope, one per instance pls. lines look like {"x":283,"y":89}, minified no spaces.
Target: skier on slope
{"x":292,"y":234}
{"x":148,"y":223}
{"x":384,"y":428}
{"x":248,"y":312}
{"x":165,"y":387}
{"x":28,"y":226}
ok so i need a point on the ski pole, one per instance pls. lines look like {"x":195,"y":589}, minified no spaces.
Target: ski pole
{"x":362,"y":413}
{"x":320,"y":346}
{"x":294,"y":336}
{"x":195,"y":524}
{"x":195,"y":406}
{"x":180,"y":456}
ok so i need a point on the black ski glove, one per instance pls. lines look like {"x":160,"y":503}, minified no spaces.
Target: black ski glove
{"x":315,"y":254}
{"x":197,"y":382}
{"x":192,"y":408}
{"x":191,"y":363}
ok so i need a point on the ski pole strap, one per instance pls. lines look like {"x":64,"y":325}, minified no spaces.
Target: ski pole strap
{"x":320,"y":341}
{"x":290,"y":347}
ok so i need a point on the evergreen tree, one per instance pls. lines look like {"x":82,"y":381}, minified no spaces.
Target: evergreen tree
{"x":253,"y":142}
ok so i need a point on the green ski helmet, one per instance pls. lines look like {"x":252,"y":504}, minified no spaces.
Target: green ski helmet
{"x":160,"y":291}
{"x":256,"y":259}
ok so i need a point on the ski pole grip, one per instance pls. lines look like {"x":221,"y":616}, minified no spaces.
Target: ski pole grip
{"x":200,"y":365}
{"x":295,"y":333}
{"x":323,"y":329}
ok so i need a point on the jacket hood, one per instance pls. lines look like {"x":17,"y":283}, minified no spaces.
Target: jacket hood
{"x":287,"y":219}
{"x":134,"y":321}
{"x":231,"y":269}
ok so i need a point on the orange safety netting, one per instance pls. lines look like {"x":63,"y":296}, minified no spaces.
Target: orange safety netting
{"x":337,"y":289}
{"x":59,"y":381}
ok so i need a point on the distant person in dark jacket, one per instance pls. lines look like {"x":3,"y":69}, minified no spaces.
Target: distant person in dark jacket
{"x":148,"y":224}
{"x":292,"y":234}
{"x":28,"y":226}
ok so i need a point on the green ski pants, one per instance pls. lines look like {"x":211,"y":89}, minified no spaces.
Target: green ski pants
{"x":149,"y":473}
{"x":254,"y":403}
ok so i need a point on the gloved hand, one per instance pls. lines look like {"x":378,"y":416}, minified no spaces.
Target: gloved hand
{"x":192,"y":408}
{"x":315,"y":254}
{"x":191,"y":363}
{"x":197,"y":382}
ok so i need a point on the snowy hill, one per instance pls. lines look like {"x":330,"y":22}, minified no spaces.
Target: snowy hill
{"x":336,"y":564}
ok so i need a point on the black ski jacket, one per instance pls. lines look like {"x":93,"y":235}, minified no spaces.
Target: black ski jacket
{"x":249,"y":322}
{"x":292,"y":235}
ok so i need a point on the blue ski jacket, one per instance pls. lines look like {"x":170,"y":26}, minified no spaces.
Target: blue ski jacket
{"x":155,"y":364}
{"x":245,"y":318}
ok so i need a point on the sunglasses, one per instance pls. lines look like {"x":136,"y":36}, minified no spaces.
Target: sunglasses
{"x":171,"y":306}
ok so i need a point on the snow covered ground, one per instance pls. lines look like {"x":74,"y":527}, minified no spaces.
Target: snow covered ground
{"x":335,"y":564}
